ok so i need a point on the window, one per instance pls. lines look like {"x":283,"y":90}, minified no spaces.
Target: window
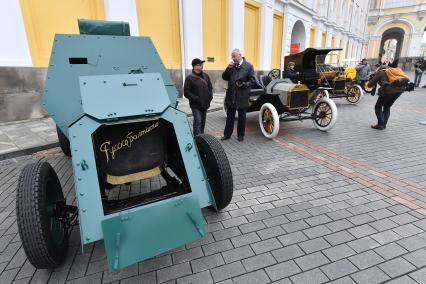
{"x":398,"y":3}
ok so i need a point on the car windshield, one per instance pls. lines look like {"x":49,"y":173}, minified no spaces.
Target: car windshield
{"x":327,"y":62}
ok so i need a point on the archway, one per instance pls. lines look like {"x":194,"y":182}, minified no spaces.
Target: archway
{"x":391,"y":45}
{"x":298,"y":38}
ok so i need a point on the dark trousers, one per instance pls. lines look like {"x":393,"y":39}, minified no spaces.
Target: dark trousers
{"x":230,"y":118}
{"x":199,"y":120}
{"x":417,"y":79}
{"x":382,"y":107}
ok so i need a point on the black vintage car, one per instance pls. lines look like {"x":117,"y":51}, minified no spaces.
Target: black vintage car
{"x":279,"y":99}
{"x":320,"y":67}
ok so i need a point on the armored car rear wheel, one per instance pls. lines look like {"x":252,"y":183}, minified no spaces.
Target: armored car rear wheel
{"x":324,"y":114}
{"x":269,"y":121}
{"x":64,"y":143}
{"x":354,"y":94}
{"x":217,"y":168}
{"x":43,"y":236}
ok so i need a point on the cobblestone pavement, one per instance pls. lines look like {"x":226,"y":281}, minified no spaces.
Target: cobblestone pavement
{"x":347,"y":206}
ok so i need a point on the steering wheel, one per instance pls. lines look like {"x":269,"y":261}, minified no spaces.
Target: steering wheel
{"x":274,"y":74}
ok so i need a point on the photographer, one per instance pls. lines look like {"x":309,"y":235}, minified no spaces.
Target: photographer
{"x":389,"y":92}
{"x":290,"y":73}
{"x":239,"y":74}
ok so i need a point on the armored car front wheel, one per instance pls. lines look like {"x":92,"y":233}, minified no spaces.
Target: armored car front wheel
{"x":38,"y":204}
{"x":324,"y":114}
{"x":354,"y":94}
{"x":269,"y":121}
{"x":217,"y":168}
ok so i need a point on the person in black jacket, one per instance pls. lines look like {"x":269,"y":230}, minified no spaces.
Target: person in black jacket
{"x":388,"y":94}
{"x":419,"y":69}
{"x":239,"y":74}
{"x":199,"y":91}
{"x":290,"y":73}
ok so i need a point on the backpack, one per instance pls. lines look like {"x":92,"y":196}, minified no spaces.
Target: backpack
{"x":396,"y":77}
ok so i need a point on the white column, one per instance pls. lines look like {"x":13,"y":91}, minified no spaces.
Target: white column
{"x":318,"y":37}
{"x":236,"y":25}
{"x":14,"y":50}
{"x":192,"y":22}
{"x":266,"y":28}
{"x":123,"y":10}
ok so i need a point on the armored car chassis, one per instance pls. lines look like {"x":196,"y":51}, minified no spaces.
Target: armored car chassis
{"x":282,"y":100}
{"x":115,"y":106}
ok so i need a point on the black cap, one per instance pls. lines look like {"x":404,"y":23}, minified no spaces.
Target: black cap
{"x":197,"y":61}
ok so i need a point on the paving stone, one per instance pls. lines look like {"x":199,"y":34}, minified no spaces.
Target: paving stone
{"x":237,"y":254}
{"x":383,"y":225}
{"x":396,"y":267}
{"x":187,"y":255}
{"x":310,"y":261}
{"x":338,"y":269}
{"x":149,"y":278}
{"x":226,"y":233}
{"x":314,"y":276}
{"x":173,"y":272}
{"x":257,"y":277}
{"x":339,"y":225}
{"x":245,"y":239}
{"x":362,"y":231}
{"x":202,"y":277}
{"x":282,"y":270}
{"x":217,"y":247}
{"x":266,"y":245}
{"x":407,"y":230}
{"x":338,"y":252}
{"x":418,"y":258}
{"x":344,"y":280}
{"x":363,"y":244}
{"x":339,"y":238}
{"x":275,"y":221}
{"x":317,"y":231}
{"x":403,"y":219}
{"x":412,"y":243}
{"x":419,"y":275}
{"x":253,"y":226}
{"x":270,"y":232}
{"x":390,"y":250}
{"x":207,"y":262}
{"x":370,"y":276}
{"x":403,"y":280}
{"x":287,"y":253}
{"x":314,"y":245}
{"x":366,"y":259}
{"x":123,"y":273}
{"x":227,"y":271}
{"x":258,"y":262}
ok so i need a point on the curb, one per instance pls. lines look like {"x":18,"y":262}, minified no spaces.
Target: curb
{"x":29,"y":151}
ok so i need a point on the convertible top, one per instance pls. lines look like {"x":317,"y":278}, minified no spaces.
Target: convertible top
{"x":306,"y":58}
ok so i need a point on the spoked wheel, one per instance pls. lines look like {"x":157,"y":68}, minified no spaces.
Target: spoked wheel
{"x":324,"y":114}
{"x":64,"y":142}
{"x":269,"y":121}
{"x":218,"y":169}
{"x":354,"y":94}
{"x":40,"y":211}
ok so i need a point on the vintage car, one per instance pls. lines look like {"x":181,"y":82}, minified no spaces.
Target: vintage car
{"x":323,"y":63}
{"x":283,"y":100}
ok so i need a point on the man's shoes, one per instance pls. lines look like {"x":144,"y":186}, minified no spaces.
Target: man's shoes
{"x":241,"y":138}
{"x":225,"y":138}
{"x":378,"y":127}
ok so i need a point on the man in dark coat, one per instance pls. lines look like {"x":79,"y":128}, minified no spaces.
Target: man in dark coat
{"x":199,"y":91}
{"x":239,"y":75}
{"x":419,"y":69}
{"x":388,"y":94}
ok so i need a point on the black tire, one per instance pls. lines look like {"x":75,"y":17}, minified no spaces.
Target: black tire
{"x":217,"y":168}
{"x":64,"y":142}
{"x":38,"y":189}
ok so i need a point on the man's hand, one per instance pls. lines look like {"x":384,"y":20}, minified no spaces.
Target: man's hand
{"x":231,"y":64}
